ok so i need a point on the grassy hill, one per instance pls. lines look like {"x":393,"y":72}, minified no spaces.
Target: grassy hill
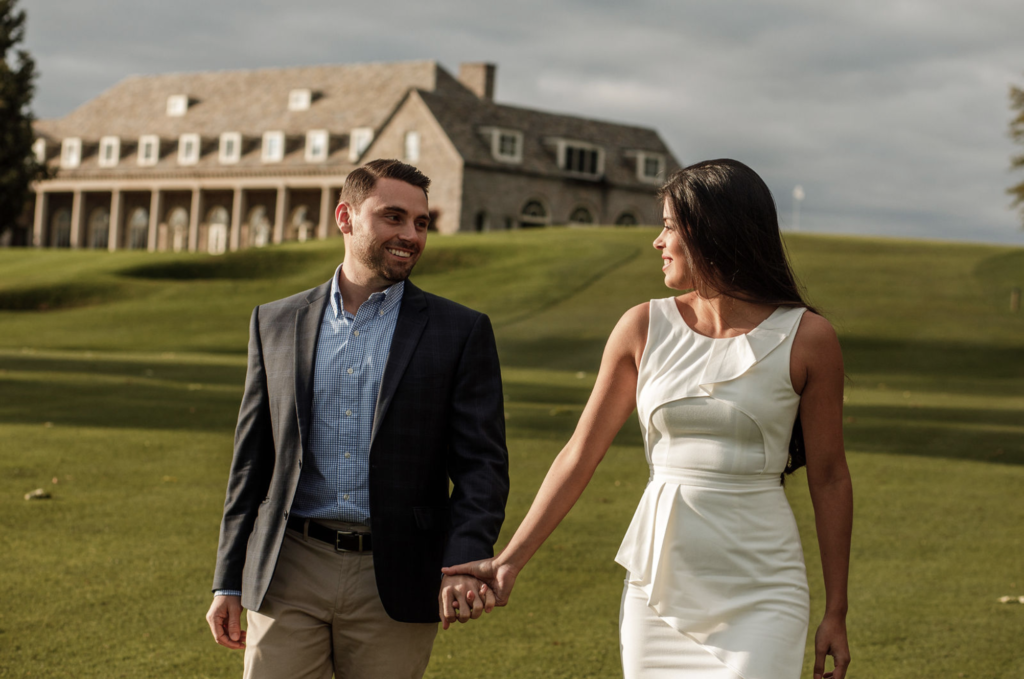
{"x":120,"y":376}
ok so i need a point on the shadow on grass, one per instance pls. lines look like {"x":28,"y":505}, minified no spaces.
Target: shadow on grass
{"x":156,"y":369}
{"x":931,"y":359}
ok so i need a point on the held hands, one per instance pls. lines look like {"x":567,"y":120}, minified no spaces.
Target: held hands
{"x":463,"y":598}
{"x":224,"y":619}
{"x":499,"y":578}
{"x":830,"y":639}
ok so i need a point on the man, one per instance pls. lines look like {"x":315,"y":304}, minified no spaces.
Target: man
{"x":363,"y":398}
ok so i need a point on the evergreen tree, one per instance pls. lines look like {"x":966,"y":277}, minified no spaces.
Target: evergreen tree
{"x":1017,"y":133}
{"x":18,"y":166}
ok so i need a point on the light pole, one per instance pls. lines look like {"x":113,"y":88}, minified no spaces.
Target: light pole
{"x":798,"y":197}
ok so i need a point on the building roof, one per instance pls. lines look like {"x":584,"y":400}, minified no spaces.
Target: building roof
{"x":465,"y":120}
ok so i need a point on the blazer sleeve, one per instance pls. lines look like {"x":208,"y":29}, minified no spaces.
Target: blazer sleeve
{"x":251,"y":468}
{"x":477,"y":456}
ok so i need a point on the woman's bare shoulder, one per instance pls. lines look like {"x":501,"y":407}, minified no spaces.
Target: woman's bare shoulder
{"x":630,"y":333}
{"x":816,"y":339}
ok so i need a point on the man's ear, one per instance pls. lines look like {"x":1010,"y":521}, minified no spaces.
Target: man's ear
{"x":343,"y":217}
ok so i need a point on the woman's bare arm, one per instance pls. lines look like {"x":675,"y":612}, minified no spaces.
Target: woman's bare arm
{"x":817,"y":369}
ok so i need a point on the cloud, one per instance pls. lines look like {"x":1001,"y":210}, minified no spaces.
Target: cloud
{"x":891,"y":114}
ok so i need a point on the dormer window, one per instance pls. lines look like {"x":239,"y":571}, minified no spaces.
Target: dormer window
{"x":316,"y":146}
{"x":650,"y":167}
{"x":506,"y":145}
{"x":581,"y":158}
{"x":39,"y":150}
{"x":188,"y":149}
{"x":149,"y":149}
{"x":359,"y":140}
{"x":110,"y":151}
{"x":300,"y":100}
{"x":71,"y":153}
{"x":272,"y":147}
{"x":230,"y":149}
{"x":412,"y":146}
{"x":177,"y":105}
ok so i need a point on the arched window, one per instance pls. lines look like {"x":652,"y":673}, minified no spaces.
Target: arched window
{"x":533,"y":214}
{"x":581,"y":215}
{"x":627,"y":218}
{"x":138,"y":229}
{"x":60,"y":228}
{"x":480,"y":223}
{"x":99,"y":228}
{"x":217,"y":233}
{"x":259,"y":226}
{"x":178,"y":223}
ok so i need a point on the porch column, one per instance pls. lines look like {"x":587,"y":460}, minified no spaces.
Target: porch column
{"x":156,"y":206}
{"x":326,"y":213}
{"x":39,"y":220}
{"x":237,"y":208}
{"x":76,"y":219}
{"x":116,"y":206}
{"x":280,"y":210}
{"x":193,"y":221}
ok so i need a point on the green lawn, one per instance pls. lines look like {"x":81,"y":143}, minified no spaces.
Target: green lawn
{"x":120,"y":376}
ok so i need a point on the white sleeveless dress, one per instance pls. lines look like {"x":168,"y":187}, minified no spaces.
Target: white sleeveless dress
{"x":716,"y":585}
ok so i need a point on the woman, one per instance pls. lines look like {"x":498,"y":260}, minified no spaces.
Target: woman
{"x":715,"y":585}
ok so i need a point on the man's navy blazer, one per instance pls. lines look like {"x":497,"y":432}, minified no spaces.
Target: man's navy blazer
{"x":439,"y":416}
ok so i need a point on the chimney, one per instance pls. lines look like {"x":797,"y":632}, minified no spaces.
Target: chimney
{"x":479,"y":78}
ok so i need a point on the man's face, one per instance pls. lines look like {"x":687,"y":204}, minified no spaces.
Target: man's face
{"x":386,"y":234}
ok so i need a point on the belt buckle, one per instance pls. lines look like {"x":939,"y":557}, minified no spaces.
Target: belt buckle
{"x":337,"y":541}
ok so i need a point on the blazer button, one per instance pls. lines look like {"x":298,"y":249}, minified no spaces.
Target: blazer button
{"x":286,"y":514}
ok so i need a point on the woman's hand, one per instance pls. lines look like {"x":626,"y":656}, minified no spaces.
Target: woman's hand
{"x":830,"y":639}
{"x":499,"y":577}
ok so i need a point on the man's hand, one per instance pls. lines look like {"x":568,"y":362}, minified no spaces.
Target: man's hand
{"x":224,"y":618}
{"x":463,"y":598}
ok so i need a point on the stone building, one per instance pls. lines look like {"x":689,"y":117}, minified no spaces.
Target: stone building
{"x":218,"y":161}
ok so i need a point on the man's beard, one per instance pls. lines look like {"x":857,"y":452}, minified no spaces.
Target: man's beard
{"x":374,"y":258}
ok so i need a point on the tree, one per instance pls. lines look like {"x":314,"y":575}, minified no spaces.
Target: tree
{"x":1017,"y":133}
{"x":18,"y":166}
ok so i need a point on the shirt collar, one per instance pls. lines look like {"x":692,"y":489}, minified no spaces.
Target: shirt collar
{"x":388,"y":299}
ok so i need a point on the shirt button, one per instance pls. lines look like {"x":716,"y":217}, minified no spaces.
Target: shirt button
{"x":350,"y":371}
{"x":348,"y":454}
{"x":356,"y":333}
{"x":381,"y":312}
{"x":345,"y":496}
{"x":348,"y":413}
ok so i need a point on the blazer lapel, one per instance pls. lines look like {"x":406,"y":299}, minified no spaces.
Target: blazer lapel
{"x":307,"y":330}
{"x":412,"y":318}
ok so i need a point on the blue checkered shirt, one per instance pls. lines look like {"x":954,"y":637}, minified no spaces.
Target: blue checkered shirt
{"x":350,"y":356}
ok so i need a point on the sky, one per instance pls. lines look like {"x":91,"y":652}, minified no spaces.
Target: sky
{"x":892,"y":115}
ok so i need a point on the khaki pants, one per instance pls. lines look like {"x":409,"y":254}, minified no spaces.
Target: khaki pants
{"x":322,"y":615}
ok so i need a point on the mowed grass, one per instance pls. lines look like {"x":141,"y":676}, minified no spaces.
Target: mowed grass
{"x":125,"y":386}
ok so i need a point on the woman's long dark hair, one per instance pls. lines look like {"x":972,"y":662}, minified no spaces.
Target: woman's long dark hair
{"x":727,"y":220}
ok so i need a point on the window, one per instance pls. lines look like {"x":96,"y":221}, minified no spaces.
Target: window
{"x":110,"y":151}
{"x":230,"y":149}
{"x":178,"y":221}
{"x":177,"y":105}
{"x":149,"y":149}
{"x":99,"y":228}
{"x":60,"y":228}
{"x":582,"y":158}
{"x":650,"y":167}
{"x":188,"y":149}
{"x":71,"y":153}
{"x":217,"y":233}
{"x":581,"y":215}
{"x":412,"y":146}
{"x":359,"y":141}
{"x":627,"y":218}
{"x":506,"y":145}
{"x":299,"y":100}
{"x":39,"y":150}
{"x":316,"y":146}
{"x":138,"y":229}
{"x":533,"y":214}
{"x":273,"y":147}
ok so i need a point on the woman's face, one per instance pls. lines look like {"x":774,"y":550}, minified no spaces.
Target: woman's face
{"x":673,"y":254}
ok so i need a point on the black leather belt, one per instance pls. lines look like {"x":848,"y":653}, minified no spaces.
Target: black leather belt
{"x":342,"y":540}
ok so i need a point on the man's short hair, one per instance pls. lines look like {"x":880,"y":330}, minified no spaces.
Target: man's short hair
{"x":360,"y":182}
